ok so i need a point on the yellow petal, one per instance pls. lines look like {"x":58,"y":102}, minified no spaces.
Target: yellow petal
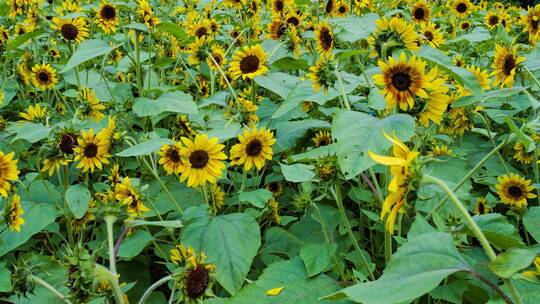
{"x":274,"y":291}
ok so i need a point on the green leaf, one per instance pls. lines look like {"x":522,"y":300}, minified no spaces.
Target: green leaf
{"x":316,"y":257}
{"x":297,"y":287}
{"x":229,"y":241}
{"x":134,"y":244}
{"x":531,"y":221}
{"x":525,"y":139}
{"x":479,"y":34}
{"x":168,"y":224}
{"x":257,"y":197}
{"x":289,"y":63}
{"x":36,"y":218}
{"x":499,"y":232}
{"x":29,"y":131}
{"x":477,"y":99}
{"x":77,"y":198}
{"x":357,"y":133}
{"x":354,"y":28}
{"x":5,"y":278}
{"x":15,"y":43}
{"x":297,"y":95}
{"x":415,"y":269}
{"x":175,"y":102}
{"x":173,"y":29}
{"x":513,"y":260}
{"x":87,"y":50}
{"x":419,"y":227}
{"x":145,"y":148}
{"x":297,"y":173}
{"x":463,"y":76}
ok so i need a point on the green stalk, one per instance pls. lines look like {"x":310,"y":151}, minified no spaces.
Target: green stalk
{"x":336,"y":192}
{"x":342,"y":89}
{"x":474,"y":228}
{"x":49,"y":287}
{"x":469,"y":174}
{"x":103,"y":273}
{"x":109,"y":221}
{"x":153,"y":287}
{"x":156,"y":175}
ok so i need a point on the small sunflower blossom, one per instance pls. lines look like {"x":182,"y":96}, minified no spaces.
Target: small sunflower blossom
{"x":13,"y":214}
{"x":34,"y":113}
{"x":401,"y":187}
{"x":129,"y":196}
{"x":92,"y":150}
{"x":196,"y":277}
{"x":514,"y":190}
{"x":253,"y":149}
{"x":170,"y":158}
{"x":8,"y":172}
{"x":202,"y":160}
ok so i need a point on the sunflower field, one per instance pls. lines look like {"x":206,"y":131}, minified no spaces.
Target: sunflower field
{"x":269,"y":151}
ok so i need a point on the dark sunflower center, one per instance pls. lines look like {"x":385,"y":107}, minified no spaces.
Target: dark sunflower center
{"x":461,"y":8}
{"x":250,"y":64}
{"x":281,"y":30}
{"x":67,"y":143}
{"x":199,"y":159}
{"x":325,"y":141}
{"x":534,"y":23}
{"x":174,"y":156}
{"x":493,"y":20}
{"x":196,"y":282}
{"x":329,"y":6}
{"x":429,"y":35}
{"x":481,"y":208}
{"x":90,"y":150}
{"x":201,"y":32}
{"x":509,"y":64}
{"x":254,"y":147}
{"x":43,"y":76}
{"x":515,"y":191}
{"x":108,"y":12}
{"x":69,"y":31}
{"x":419,"y":13}
{"x":465,"y":25}
{"x":342,"y":9}
{"x":294,"y":21}
{"x":327,"y":38}
{"x":279,"y":6}
{"x":274,"y":187}
{"x":217,"y":58}
{"x":401,"y":81}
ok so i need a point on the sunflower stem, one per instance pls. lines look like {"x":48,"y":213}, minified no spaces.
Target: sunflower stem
{"x":109,"y":221}
{"x":469,"y":174}
{"x":153,"y":287}
{"x":336,"y":192}
{"x":162,"y":184}
{"x":49,"y":287}
{"x":106,"y":274}
{"x":224,"y":76}
{"x":342,"y":89}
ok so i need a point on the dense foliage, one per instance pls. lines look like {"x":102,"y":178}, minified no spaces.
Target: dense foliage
{"x":279,"y":151}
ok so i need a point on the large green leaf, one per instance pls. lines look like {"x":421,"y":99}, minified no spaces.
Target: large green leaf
{"x":134,"y":244}
{"x":499,"y":232}
{"x":297,"y":287}
{"x":87,"y":50}
{"x":77,"y":198}
{"x":5,"y":278}
{"x":145,"y":148}
{"x":175,"y":102}
{"x":414,"y":270}
{"x":36,"y":217}
{"x":29,"y":131}
{"x":230,"y":242}
{"x":15,"y":43}
{"x":354,"y":28}
{"x":513,"y":260}
{"x":257,"y":197}
{"x":317,"y":257}
{"x":357,"y":133}
{"x":531,"y":221}
{"x":297,"y":173}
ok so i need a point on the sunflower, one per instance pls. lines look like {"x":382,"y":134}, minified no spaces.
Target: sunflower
{"x":202,"y":160}
{"x":481,"y":75}
{"x":457,"y":121}
{"x":275,"y":187}
{"x":441,"y":150}
{"x":54,"y":53}
{"x":218,"y":197}
{"x":243,"y":111}
{"x":253,"y":149}
{"x":433,"y":108}
{"x":91,"y":107}
{"x":277,"y":28}
{"x":462,"y":8}
{"x":514,"y":190}
{"x":248,"y":62}
{"x":8,"y":172}
{"x":294,"y":19}
{"x":44,"y":76}
{"x":52,"y":164}
{"x":432,"y":35}
{"x":273,"y":206}
{"x":279,"y":6}
{"x":465,"y":25}
{"x":13,"y":212}
{"x":420,"y":12}
{"x":196,"y":281}
{"x":128,"y":196}
{"x":342,"y":9}
{"x":92,"y":150}
{"x":532,"y":24}
{"x":505,"y":64}
{"x":107,"y":17}
{"x":403,"y":80}
{"x":170,"y":158}
{"x":34,"y":113}
{"x":217,"y":60}
{"x":322,"y":138}
{"x":323,"y":73}
{"x":71,"y":29}
{"x":199,"y":49}
{"x":459,"y":61}
{"x":481,"y":206}
{"x":147,"y":14}
{"x":324,"y":38}
{"x":330,"y":7}
{"x":237,"y":4}
{"x":392,"y":34}
{"x":400,"y":187}
{"x":521,"y":154}
{"x":492,"y":19}
{"x":199,"y":28}
{"x":67,"y":143}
